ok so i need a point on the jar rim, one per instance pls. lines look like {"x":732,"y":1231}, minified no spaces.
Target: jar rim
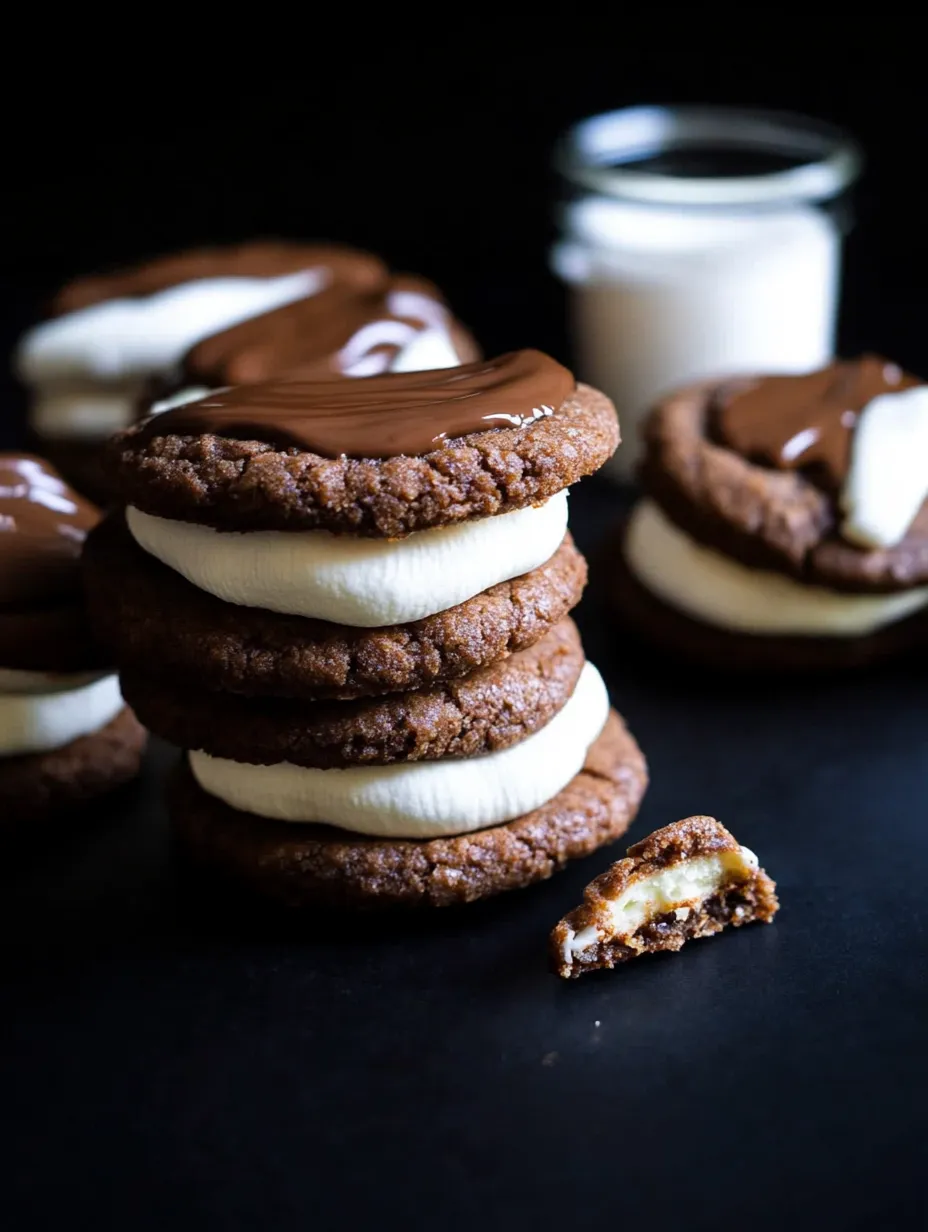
{"x":591,"y":155}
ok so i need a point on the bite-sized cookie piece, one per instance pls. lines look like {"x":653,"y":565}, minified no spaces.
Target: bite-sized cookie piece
{"x":44,"y":785}
{"x":64,"y":730}
{"x":787,"y":508}
{"x":151,"y":618}
{"x":381,"y":457}
{"x":690,"y":879}
{"x":305,"y":866}
{"x":489,"y":710}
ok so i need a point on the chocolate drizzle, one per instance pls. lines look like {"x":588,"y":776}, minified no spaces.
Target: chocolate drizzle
{"x":804,"y":422}
{"x":253,"y":260}
{"x":43,"y":524}
{"x":379,"y":416}
{"x":345,"y":329}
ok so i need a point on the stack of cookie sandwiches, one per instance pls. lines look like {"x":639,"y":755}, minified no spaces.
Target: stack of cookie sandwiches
{"x":349,"y":601}
{"x":65,"y":734}
{"x":143,"y":338}
{"x":784,"y":522}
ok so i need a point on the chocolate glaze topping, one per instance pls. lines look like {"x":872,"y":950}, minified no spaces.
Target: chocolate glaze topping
{"x":43,"y":524}
{"x":346,"y":328}
{"x":262,"y":259}
{"x":379,"y":416}
{"x":798,"y":422}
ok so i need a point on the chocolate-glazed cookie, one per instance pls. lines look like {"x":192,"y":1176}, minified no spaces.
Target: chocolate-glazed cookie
{"x":43,"y":524}
{"x":785,"y":521}
{"x":65,"y":735}
{"x":383,"y":457}
{"x":777,"y":515}
{"x":485,"y":712}
{"x":306,"y":866}
{"x":153,"y":619}
{"x":343,"y":330}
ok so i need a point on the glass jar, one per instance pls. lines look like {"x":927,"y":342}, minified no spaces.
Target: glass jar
{"x":697,"y":243}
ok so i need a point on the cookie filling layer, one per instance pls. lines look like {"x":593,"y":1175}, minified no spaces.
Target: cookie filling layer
{"x":33,"y":722}
{"x":421,"y":800}
{"x":12,"y":680}
{"x":88,"y":368}
{"x":364,"y":583}
{"x":721,"y":591}
{"x":682,"y":887}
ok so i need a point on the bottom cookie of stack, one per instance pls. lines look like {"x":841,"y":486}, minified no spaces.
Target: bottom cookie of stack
{"x":436,"y":796}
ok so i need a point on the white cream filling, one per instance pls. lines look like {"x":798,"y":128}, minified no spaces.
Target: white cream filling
{"x":887,"y":482}
{"x":425,"y":799}
{"x":33,"y":722}
{"x":14,"y":680}
{"x":419,"y":349}
{"x":365,"y":583}
{"x":680,"y":888}
{"x":427,"y":350}
{"x":85,"y":411}
{"x":722,"y":591}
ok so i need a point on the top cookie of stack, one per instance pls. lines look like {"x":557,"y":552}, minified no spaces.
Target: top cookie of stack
{"x":302,"y":541}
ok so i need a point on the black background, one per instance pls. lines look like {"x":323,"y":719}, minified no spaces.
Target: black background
{"x":437,"y":156}
{"x":172,"y":1060}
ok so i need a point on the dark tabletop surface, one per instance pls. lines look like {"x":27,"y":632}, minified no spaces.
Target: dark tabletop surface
{"x":174,"y":1059}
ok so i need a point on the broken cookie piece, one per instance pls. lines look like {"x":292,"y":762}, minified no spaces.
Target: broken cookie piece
{"x":688,"y":880}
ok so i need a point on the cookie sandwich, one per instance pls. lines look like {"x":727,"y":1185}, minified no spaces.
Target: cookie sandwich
{"x":119,"y":345}
{"x":348,"y":601}
{"x":688,"y":880}
{"x":66,"y":735}
{"x":783,"y":524}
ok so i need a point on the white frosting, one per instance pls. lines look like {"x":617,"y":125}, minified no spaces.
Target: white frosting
{"x":722,"y":591}
{"x":122,"y":339}
{"x":424,"y":799}
{"x":13,"y":680}
{"x":679,"y":888}
{"x":75,"y":409}
{"x":887,"y":482}
{"x":36,"y":722}
{"x":353,"y":581}
{"x":420,"y":350}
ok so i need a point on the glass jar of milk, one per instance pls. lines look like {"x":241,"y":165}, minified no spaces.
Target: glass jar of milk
{"x":697,"y":243}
